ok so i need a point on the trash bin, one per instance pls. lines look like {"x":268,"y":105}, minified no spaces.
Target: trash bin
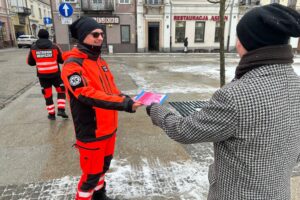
{"x":110,"y":49}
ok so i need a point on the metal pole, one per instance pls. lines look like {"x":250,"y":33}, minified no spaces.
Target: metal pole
{"x":229,"y":28}
{"x":171,"y":17}
{"x":53,"y":24}
{"x":28,"y":18}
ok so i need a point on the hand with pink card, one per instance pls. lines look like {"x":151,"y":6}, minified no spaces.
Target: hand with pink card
{"x":147,"y":98}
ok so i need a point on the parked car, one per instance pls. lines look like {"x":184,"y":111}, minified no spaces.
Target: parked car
{"x":26,"y":40}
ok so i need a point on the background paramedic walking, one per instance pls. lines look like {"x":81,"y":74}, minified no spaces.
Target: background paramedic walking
{"x":47,"y":56}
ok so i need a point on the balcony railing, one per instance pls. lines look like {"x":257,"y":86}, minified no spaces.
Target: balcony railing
{"x":97,"y":5}
{"x":21,"y":10}
{"x":249,"y":2}
{"x":154,"y":2}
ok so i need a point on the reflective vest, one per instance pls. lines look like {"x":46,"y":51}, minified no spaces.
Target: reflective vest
{"x":46,"y":60}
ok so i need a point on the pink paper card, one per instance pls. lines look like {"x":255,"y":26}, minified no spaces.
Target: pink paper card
{"x":147,"y":98}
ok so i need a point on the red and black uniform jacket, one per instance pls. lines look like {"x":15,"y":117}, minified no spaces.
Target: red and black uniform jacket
{"x":94,"y":97}
{"x":46,"y":56}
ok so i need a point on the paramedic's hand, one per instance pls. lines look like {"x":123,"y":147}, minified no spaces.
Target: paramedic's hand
{"x":136,"y":105}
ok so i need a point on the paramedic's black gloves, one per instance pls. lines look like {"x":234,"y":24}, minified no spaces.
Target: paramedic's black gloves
{"x":128,"y":105}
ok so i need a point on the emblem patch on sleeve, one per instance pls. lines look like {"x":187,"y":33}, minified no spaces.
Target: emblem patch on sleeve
{"x":75,"y":80}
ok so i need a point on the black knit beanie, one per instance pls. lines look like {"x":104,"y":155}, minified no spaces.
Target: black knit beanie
{"x":268,"y":25}
{"x":82,"y":27}
{"x":43,"y":34}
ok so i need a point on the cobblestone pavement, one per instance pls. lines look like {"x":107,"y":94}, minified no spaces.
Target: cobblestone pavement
{"x":159,"y":183}
{"x":154,"y":184}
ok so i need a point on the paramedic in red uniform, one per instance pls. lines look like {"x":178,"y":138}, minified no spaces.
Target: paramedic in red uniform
{"x":46,"y":56}
{"x":95,"y":101}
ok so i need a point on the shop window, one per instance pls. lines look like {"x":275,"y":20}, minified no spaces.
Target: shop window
{"x":125,"y":33}
{"x":124,"y":1}
{"x":199,"y":31}
{"x":180,"y":31}
{"x":217,"y":32}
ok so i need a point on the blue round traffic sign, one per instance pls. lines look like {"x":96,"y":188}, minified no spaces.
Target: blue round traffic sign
{"x":65,"y":9}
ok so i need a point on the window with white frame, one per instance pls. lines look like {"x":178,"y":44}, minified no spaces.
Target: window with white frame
{"x":180,"y":31}
{"x":125,"y":33}
{"x":217,"y":32}
{"x":32,"y":10}
{"x":40,"y":13}
{"x":199,"y":31}
{"x":124,"y":1}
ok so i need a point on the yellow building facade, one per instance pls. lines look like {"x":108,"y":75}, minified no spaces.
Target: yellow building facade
{"x":39,"y":10}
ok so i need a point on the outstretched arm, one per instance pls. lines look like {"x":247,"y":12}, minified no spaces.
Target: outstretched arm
{"x":76,"y":83}
{"x":213,"y":123}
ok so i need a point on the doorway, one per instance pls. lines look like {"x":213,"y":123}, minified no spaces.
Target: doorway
{"x":153,"y":36}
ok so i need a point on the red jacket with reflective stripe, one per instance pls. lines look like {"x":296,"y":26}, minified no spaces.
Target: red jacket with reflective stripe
{"x":93,"y":94}
{"x":46,"y":56}
{"x":45,"y":60}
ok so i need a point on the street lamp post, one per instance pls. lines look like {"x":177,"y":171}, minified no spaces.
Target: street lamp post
{"x":53,"y":24}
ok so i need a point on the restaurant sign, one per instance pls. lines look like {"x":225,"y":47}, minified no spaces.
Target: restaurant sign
{"x":199,"y":18}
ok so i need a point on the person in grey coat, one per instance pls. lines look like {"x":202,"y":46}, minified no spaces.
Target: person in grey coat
{"x":254,"y":121}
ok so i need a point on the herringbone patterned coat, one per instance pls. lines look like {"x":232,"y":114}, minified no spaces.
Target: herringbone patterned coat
{"x":254,"y":123}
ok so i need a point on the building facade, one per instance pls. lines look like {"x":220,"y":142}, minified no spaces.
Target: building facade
{"x":118,"y":17}
{"x":199,"y":21}
{"x":39,"y":10}
{"x":6,"y":39}
{"x":153,"y":25}
{"x":162,"y":25}
{"x":19,"y":13}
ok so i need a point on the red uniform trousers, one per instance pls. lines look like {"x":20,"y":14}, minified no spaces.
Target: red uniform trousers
{"x":46,"y":84}
{"x":95,"y":158}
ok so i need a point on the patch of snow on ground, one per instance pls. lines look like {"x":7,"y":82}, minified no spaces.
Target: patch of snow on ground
{"x":186,"y":179}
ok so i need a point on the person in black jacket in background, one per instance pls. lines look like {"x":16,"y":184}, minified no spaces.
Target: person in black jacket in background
{"x":47,"y":56}
{"x":186,"y":44}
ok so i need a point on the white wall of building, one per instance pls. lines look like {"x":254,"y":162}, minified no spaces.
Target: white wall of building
{"x":209,"y":12}
{"x":160,"y":14}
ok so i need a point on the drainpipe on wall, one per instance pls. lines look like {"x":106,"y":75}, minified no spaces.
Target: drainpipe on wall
{"x":136,"y":27}
{"x":171,"y":17}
